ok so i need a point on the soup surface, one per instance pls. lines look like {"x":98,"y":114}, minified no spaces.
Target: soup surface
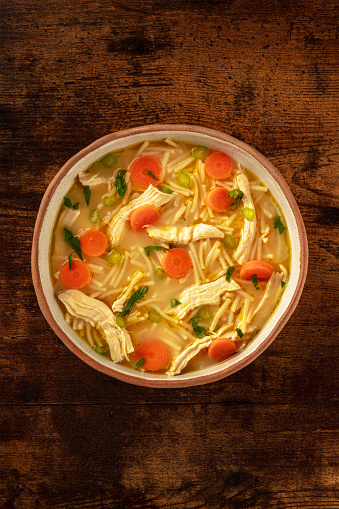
{"x":168,"y":257}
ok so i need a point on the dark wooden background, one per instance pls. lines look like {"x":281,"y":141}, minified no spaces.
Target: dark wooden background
{"x":265,"y":72}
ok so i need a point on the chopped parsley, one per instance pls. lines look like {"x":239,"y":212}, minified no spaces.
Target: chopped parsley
{"x":175,"y":302}
{"x":200,"y":332}
{"x":279,"y":224}
{"x":148,"y":249}
{"x":120,"y":183}
{"x":135,"y":297}
{"x":68,"y":203}
{"x":148,"y":172}
{"x":239,"y":332}
{"x":229,"y":273}
{"x":255,"y":281}
{"x":87,"y":193}
{"x":238,"y":197}
{"x":75,"y":245}
{"x":140,"y":362}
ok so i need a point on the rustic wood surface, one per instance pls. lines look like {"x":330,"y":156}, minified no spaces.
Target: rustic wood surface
{"x":265,"y":72}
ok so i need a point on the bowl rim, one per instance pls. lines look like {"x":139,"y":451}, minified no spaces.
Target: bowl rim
{"x":171,"y":382}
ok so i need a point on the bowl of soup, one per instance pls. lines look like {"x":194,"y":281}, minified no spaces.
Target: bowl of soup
{"x":168,"y":255}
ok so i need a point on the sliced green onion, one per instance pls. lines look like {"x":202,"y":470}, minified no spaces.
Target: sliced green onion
{"x":96,"y":165}
{"x":98,"y":349}
{"x":166,"y":190}
{"x":239,"y":332}
{"x":159,"y":273}
{"x":248,"y":213}
{"x":110,"y":201}
{"x":175,"y":302}
{"x":204,"y":314}
{"x":229,"y":273}
{"x":154,"y":316}
{"x":140,"y":363}
{"x":200,"y":152}
{"x":121,"y":322}
{"x":114,"y":258}
{"x":229,"y":242}
{"x":109,"y":160}
{"x":183,"y":179}
{"x":94,"y":215}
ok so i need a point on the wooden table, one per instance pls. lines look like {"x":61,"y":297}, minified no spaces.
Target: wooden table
{"x":264,"y":72}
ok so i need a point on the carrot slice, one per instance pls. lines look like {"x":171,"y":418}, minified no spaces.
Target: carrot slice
{"x":176,"y":262}
{"x":217,"y":199}
{"x":155,"y":354}
{"x":76,"y":277}
{"x":143,"y":216}
{"x":218,"y":165}
{"x":221,"y":348}
{"x":262,"y":270}
{"x":93,"y":243}
{"x":144,"y":171}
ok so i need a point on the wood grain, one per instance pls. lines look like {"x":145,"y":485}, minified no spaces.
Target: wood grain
{"x":264,"y":72}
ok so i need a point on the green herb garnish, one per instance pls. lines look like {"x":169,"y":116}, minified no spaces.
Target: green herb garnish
{"x":240,"y":334}
{"x":255,"y":281}
{"x":87,"y":193}
{"x":148,"y":249}
{"x":239,"y":196}
{"x":282,"y":284}
{"x":278,"y":224}
{"x":97,"y":349}
{"x":70,"y":261}
{"x":200,"y":332}
{"x":135,"y":297}
{"x":148,"y":172}
{"x":229,"y":273}
{"x":140,"y":363}
{"x":120,"y":183}
{"x":68,"y":203}
{"x":74,"y":242}
{"x":229,"y":242}
{"x":175,"y":302}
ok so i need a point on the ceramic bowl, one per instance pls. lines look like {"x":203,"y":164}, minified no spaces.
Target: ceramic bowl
{"x":243,"y":153}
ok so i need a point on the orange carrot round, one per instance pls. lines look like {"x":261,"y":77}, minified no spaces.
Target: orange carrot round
{"x":76,"y":277}
{"x":144,"y":171}
{"x":221,"y":348}
{"x":155,"y":354}
{"x":217,"y":199}
{"x":143,"y":216}
{"x":218,"y":165}
{"x":262,"y":270}
{"x":176,"y":262}
{"x":93,"y":243}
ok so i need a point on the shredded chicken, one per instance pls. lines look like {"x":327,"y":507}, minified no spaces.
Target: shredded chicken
{"x":243,"y":251}
{"x":184,"y":235}
{"x":208,"y":293}
{"x":152,"y":196}
{"x":91,"y":179}
{"x":125,"y":295}
{"x":180,"y":362}
{"x":98,"y":315}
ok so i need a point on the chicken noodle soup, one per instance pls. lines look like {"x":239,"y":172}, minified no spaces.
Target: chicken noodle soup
{"x":168,"y":256}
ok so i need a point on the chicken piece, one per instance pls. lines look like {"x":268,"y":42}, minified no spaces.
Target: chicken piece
{"x":184,"y":235}
{"x":99,"y":315}
{"x":243,"y":251}
{"x":267,"y":304}
{"x":119,"y":304}
{"x":152,"y":196}
{"x":207,"y":294}
{"x":180,"y":362}
{"x":92,"y":179}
